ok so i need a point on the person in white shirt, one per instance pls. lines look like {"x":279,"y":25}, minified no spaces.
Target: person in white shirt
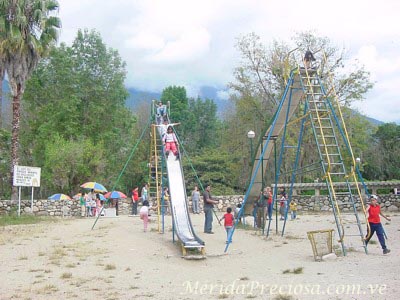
{"x":171,"y":142}
{"x":144,"y":214}
{"x":164,"y":127}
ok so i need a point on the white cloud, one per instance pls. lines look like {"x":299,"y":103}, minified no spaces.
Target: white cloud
{"x":147,"y":41}
{"x":223,"y":94}
{"x":191,"y":43}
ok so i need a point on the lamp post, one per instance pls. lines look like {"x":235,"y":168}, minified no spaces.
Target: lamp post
{"x":251,"y":135}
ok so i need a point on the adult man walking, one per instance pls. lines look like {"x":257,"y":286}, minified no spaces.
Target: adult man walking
{"x":208,"y":210}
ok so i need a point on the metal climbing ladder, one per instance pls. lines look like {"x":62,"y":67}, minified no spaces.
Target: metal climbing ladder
{"x":305,"y":95}
{"x":329,"y":130}
{"x":156,"y":172}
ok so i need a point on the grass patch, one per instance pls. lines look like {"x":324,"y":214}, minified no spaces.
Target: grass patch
{"x":35,"y":270}
{"x":223,"y":296}
{"x":244,"y":278}
{"x":293,"y":237}
{"x":245,"y":226}
{"x":283,"y":297}
{"x":70,"y":265}
{"x":298,"y":270}
{"x":13,"y":219}
{"x":23,"y":257}
{"x":373,"y":242}
{"x":58,"y":253}
{"x":109,"y":267}
{"x":66,"y":275}
{"x":41,"y":253}
{"x":48,"y":289}
{"x":294,"y":271}
{"x":132,"y":287}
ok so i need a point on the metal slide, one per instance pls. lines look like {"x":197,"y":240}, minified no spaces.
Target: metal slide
{"x":290,"y":102}
{"x":179,"y":209}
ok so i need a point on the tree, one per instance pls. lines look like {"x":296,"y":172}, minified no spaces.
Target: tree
{"x":176,"y":95}
{"x":76,"y":96}
{"x":215,"y":167}
{"x":5,"y":147}
{"x":383,"y":159}
{"x":27,"y":29}
{"x":2,"y":73}
{"x":261,"y":77}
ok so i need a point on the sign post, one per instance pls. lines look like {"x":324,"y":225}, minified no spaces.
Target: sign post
{"x":26,"y":176}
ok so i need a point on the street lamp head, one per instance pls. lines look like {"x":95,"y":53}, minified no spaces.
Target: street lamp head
{"x":251,"y":134}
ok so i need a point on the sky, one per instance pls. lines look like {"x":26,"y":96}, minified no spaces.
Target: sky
{"x":192,"y":43}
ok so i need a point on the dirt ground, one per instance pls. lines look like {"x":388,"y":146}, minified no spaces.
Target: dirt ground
{"x":117,"y":260}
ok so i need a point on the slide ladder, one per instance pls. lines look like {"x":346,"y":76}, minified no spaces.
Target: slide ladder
{"x":156,"y":173}
{"x":325,"y":118}
{"x":330,"y":134}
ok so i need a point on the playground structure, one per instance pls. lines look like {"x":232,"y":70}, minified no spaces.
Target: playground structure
{"x":167,"y":171}
{"x":310,"y":102}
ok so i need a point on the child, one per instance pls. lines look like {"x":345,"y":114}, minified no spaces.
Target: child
{"x":283,"y":204}
{"x":165,"y":196}
{"x":171,"y":143}
{"x":144,"y":214}
{"x":375,"y":225}
{"x":237,"y":210}
{"x":293,"y":209}
{"x":88,"y":203}
{"x":228,"y":222}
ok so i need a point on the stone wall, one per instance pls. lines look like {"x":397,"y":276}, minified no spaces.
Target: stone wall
{"x":42,"y":207}
{"x":72,"y":208}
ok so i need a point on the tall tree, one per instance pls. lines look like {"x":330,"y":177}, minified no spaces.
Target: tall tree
{"x":177,"y":97}
{"x":201,"y":130}
{"x":76,"y":96}
{"x":383,"y":159}
{"x":27,"y":29}
{"x":261,"y":77}
{"x":2,"y":73}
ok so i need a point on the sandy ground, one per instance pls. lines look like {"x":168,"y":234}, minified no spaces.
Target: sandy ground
{"x":117,"y":260}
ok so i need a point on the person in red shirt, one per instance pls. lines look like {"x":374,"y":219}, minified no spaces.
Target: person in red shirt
{"x":269,"y":202}
{"x":228,"y":222}
{"x":375,"y":225}
{"x":135,"y":200}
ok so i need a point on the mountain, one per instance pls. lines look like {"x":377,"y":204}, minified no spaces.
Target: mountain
{"x":137,"y":97}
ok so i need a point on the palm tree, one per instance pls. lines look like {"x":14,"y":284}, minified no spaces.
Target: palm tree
{"x":2,"y":73}
{"x":28,"y":28}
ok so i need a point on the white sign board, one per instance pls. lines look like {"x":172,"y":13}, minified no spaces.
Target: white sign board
{"x":26,"y":176}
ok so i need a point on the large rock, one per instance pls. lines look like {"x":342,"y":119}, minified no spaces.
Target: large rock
{"x":393,"y":208}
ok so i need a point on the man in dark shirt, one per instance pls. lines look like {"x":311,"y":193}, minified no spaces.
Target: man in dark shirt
{"x":208,"y":210}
